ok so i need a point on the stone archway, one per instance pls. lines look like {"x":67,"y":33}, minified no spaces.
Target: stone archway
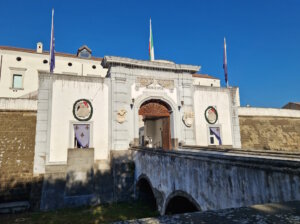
{"x":157,"y":130}
{"x":180,"y":202}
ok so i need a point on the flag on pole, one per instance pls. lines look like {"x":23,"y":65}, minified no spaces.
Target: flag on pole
{"x":151,"y":47}
{"x":52,"y":46}
{"x":225,"y":63}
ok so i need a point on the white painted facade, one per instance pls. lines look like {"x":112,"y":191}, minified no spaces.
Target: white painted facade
{"x":29,"y":62}
{"x":270,"y":112}
{"x":220,"y":99}
{"x":55,"y":119}
{"x":204,"y":81}
{"x":117,"y":98}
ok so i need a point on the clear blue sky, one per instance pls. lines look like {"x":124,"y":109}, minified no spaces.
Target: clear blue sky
{"x":263,"y":37}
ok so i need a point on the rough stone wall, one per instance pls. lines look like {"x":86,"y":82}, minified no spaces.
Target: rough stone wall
{"x":270,"y":133}
{"x":17,"y":139}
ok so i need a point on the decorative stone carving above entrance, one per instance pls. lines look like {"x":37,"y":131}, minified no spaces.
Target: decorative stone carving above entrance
{"x":188,"y":118}
{"x":121,"y":115}
{"x":154,"y":109}
{"x":151,"y":83}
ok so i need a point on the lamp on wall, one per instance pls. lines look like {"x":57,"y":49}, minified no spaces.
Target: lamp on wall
{"x":132,"y":103}
{"x":182,"y":103}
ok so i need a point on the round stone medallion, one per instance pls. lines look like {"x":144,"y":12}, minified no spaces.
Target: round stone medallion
{"x":83,"y":110}
{"x":211,"y":115}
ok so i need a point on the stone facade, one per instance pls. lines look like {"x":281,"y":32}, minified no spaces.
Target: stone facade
{"x":17,"y":135}
{"x":270,"y":133}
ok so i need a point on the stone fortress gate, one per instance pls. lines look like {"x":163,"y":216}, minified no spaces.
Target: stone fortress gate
{"x":103,"y":139}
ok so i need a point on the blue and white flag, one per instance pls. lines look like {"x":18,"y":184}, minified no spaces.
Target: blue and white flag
{"x":52,"y":46}
{"x":216,"y":132}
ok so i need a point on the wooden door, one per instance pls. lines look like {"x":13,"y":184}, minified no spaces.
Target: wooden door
{"x":166,"y":133}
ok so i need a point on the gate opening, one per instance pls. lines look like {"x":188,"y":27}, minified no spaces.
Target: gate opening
{"x":155,"y":131}
{"x":145,"y":194}
{"x":180,"y":204}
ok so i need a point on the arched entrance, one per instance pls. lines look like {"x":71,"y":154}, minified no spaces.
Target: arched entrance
{"x":156,"y":132}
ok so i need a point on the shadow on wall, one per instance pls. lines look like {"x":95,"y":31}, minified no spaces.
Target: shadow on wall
{"x":101,"y":183}
{"x":61,"y":188}
{"x":15,"y":189}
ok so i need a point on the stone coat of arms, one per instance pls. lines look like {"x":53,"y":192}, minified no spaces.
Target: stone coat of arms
{"x":188,"y":118}
{"x":121,"y":115}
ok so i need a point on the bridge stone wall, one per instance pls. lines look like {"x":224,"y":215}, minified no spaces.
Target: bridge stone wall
{"x":217,"y":181}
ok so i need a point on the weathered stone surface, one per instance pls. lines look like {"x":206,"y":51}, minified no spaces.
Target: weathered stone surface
{"x":270,"y":133}
{"x":17,"y":139}
{"x":218,"y":180}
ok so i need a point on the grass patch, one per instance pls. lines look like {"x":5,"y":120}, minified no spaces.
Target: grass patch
{"x":93,"y":215}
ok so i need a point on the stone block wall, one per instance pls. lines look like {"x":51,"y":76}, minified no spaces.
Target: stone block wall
{"x":83,"y":181}
{"x":270,"y":132}
{"x":17,"y":140}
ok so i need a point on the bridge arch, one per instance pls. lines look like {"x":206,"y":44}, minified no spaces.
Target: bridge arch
{"x":180,"y":202}
{"x":145,"y":192}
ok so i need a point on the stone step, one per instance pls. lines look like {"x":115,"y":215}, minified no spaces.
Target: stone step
{"x":14,"y":207}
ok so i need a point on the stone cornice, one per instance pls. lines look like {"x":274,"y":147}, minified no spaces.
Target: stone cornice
{"x":58,"y":76}
{"x":109,"y":61}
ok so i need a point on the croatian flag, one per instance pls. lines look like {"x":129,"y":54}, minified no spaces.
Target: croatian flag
{"x":52,"y":46}
{"x":225,"y":63}
{"x":151,"y":46}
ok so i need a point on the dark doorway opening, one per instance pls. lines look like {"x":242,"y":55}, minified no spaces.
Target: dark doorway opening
{"x":180,"y":204}
{"x":156,"y":132}
{"x":145,"y":194}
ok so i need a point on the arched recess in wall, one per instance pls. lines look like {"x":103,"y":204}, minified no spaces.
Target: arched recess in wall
{"x":180,"y":202}
{"x":170,"y":104}
{"x":145,"y":192}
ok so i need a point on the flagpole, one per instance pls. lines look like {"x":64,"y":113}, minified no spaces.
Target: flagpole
{"x":225,"y":63}
{"x":151,"y":46}
{"x":52,"y":45}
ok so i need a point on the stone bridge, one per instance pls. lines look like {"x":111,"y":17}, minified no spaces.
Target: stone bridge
{"x":193,"y":180}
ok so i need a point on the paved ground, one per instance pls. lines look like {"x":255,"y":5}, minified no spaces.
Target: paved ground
{"x":276,"y":213}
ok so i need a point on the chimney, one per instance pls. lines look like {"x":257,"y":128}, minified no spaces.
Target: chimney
{"x":39,"y":47}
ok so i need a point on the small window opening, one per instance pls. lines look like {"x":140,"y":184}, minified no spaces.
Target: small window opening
{"x":94,"y":66}
{"x":70,"y":64}
{"x":18,"y":58}
{"x":17,"y":81}
{"x":45,"y":61}
{"x":81,"y":135}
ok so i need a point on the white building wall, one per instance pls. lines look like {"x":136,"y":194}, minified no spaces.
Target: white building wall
{"x":206,"y":82}
{"x":220,"y":99}
{"x":31,"y":63}
{"x":64,"y":94}
{"x":269,"y":112}
{"x":54,"y":131}
{"x":17,"y":104}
